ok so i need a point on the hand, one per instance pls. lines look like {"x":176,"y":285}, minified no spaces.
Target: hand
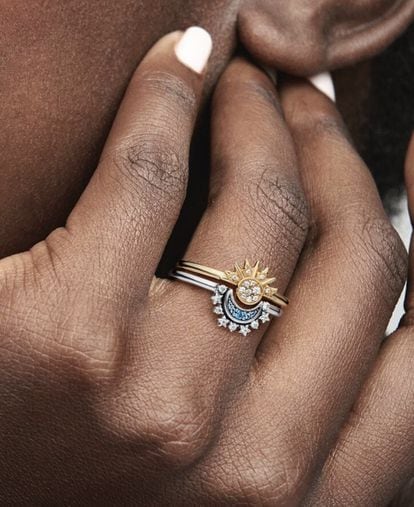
{"x":118,"y":388}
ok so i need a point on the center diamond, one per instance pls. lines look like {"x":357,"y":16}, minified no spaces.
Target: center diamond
{"x":249,"y":291}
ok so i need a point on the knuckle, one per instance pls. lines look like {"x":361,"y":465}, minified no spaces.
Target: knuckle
{"x":154,"y":164}
{"x":179,"y":436}
{"x":317,"y":123}
{"x":260,"y":480}
{"x":371,"y":245}
{"x":282,"y":209}
{"x":386,"y":255}
{"x":174,"y":430}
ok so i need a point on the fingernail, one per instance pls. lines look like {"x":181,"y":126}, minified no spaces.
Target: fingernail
{"x":194,"y":48}
{"x":323,"y":82}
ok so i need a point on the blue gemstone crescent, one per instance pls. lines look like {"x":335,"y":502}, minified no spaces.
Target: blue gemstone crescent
{"x":233,"y":316}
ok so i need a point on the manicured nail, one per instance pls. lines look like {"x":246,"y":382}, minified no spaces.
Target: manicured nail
{"x":194,"y":48}
{"x":323,"y":82}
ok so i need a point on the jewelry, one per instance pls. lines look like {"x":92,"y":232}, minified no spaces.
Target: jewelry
{"x":259,"y":279}
{"x":248,"y":285}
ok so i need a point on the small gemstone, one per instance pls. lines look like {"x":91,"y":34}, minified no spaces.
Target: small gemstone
{"x":235,"y":278}
{"x":264,"y":317}
{"x":233,"y":326}
{"x":244,"y":330}
{"x":222,"y":289}
{"x":216,"y":299}
{"x":255,"y":324}
{"x":248,"y":272}
{"x":218,"y":310}
{"x":261,"y":276}
{"x":256,"y":290}
{"x":268,"y":290}
{"x":266,"y":307}
{"x":223,"y":322}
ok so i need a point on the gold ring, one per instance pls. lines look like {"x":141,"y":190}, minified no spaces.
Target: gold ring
{"x":253,"y":283}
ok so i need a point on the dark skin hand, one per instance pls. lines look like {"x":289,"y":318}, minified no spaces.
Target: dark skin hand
{"x":117,"y":388}
{"x":65,"y":66}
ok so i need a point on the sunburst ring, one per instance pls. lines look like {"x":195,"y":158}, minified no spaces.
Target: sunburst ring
{"x":243,"y":298}
{"x":240,"y":277}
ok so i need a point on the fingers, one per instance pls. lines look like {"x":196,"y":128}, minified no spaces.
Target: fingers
{"x":257,"y":207}
{"x":129,"y":208}
{"x":351,"y":272}
{"x":257,"y":211}
{"x":377,"y":443}
{"x":374,"y":455}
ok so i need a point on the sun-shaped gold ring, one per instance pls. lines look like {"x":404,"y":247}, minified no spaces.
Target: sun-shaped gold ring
{"x":253,"y":283}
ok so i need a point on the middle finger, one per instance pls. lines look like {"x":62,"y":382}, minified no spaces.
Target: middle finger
{"x":256,"y":211}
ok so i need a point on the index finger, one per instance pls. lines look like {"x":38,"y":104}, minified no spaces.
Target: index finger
{"x":129,"y":208}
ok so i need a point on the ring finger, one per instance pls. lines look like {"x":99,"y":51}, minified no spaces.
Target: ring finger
{"x":256,"y":211}
{"x":345,"y":287}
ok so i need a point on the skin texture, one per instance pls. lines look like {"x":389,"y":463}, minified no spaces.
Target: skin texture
{"x":65,"y":66}
{"x":112,"y":395}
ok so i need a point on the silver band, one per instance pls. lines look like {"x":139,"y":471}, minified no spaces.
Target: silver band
{"x":198,"y":281}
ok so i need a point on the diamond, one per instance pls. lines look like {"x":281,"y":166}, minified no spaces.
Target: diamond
{"x":255,"y":324}
{"x":266,"y":307}
{"x":233,"y":327}
{"x":216,"y":299}
{"x":218,"y":310}
{"x":244,"y":330}
{"x":249,"y":291}
{"x":222,"y":289}
{"x":223,"y":322}
{"x":264,"y":317}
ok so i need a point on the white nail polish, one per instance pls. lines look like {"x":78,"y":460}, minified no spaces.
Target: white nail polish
{"x":323,"y":82}
{"x":194,"y":48}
